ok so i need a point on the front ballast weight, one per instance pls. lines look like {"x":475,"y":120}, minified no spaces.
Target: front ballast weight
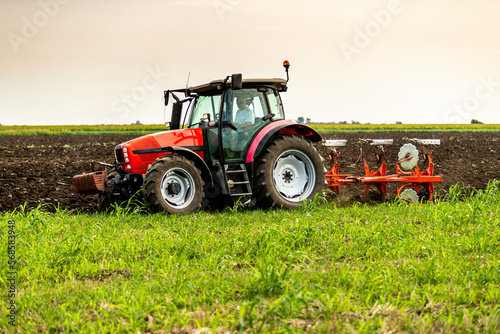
{"x":94,"y":182}
{"x":407,"y":172}
{"x":112,"y":185}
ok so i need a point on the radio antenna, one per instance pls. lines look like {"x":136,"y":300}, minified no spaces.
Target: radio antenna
{"x":187,"y":82}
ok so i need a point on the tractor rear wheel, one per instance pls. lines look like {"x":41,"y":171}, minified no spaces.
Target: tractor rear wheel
{"x":173,"y":184}
{"x":289,"y":171}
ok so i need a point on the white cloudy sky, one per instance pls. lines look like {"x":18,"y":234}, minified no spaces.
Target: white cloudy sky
{"x":378,"y":61}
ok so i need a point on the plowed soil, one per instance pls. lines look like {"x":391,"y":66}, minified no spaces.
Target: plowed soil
{"x":39,"y":169}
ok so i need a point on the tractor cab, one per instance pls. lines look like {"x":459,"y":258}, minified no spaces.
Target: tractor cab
{"x":231,"y":112}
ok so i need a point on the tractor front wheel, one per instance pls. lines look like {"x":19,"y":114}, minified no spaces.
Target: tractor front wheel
{"x":289,"y":171}
{"x":173,"y":184}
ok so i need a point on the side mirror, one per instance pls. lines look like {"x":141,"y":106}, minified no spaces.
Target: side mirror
{"x":165,"y":97}
{"x":175,"y":122}
{"x":236,"y":81}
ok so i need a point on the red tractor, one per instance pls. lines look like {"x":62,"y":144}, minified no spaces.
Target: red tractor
{"x":233,"y":141}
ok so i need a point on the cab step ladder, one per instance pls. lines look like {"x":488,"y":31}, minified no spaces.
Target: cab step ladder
{"x":237,"y":180}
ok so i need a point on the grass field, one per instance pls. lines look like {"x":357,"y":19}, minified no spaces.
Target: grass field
{"x":394,"y":267}
{"x":321,"y":128}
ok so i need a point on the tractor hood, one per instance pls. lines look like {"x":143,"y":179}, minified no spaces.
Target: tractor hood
{"x":135,"y":155}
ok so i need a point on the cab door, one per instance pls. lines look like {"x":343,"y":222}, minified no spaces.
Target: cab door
{"x":208,"y":105}
{"x":243,"y":114}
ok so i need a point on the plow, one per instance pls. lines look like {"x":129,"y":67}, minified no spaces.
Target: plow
{"x":407,"y":173}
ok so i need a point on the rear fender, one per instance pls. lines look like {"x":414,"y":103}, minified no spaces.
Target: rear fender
{"x":275,"y":129}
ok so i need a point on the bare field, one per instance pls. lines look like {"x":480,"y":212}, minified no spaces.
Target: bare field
{"x":39,"y":169}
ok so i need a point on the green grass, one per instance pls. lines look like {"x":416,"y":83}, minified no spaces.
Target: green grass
{"x":325,"y":268}
{"x":321,"y":128}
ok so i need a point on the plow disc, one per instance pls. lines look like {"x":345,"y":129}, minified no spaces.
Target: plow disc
{"x":408,"y":157}
{"x":409,"y":195}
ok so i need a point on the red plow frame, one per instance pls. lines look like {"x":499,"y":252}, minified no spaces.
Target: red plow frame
{"x":412,"y":179}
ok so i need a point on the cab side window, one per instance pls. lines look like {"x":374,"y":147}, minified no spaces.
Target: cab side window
{"x":275,"y":104}
{"x":206,"y":105}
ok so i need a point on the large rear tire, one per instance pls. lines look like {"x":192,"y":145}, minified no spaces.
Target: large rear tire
{"x":173,"y":184}
{"x":289,"y":171}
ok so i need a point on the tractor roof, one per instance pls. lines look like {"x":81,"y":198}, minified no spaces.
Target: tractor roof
{"x":217,"y":85}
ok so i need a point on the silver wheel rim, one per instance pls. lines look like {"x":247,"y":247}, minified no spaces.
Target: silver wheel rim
{"x":294,"y":176}
{"x":177,"y":188}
